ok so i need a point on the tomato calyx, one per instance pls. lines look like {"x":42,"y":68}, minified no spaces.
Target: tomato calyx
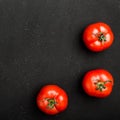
{"x":101,"y":85}
{"x":51,"y":103}
{"x":101,"y":37}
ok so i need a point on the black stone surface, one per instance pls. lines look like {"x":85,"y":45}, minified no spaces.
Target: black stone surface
{"x":41,"y":43}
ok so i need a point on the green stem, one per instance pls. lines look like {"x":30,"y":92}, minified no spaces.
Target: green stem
{"x":101,"y":85}
{"x":51,"y":103}
{"x":101,"y":37}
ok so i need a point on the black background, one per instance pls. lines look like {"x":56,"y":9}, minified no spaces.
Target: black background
{"x":41,"y":43}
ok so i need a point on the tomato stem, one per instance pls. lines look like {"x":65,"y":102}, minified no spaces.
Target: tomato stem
{"x":51,"y":103}
{"x":101,"y":85}
{"x":102,"y":37}
{"x":107,"y":81}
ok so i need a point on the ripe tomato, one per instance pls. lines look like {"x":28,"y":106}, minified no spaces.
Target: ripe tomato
{"x":52,"y":99}
{"x":98,"y":83}
{"x":98,"y":37}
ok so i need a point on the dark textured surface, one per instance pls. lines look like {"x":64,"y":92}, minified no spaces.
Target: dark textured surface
{"x":41,"y":43}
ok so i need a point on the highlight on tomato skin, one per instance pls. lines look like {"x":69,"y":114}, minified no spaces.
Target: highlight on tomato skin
{"x":98,"y":83}
{"x":52,"y":99}
{"x":98,"y":36}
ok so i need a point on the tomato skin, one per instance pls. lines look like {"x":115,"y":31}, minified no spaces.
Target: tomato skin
{"x":98,"y":83}
{"x":98,"y":36}
{"x":52,"y":99}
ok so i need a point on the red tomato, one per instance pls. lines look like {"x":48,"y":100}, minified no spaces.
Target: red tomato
{"x":52,"y":99}
{"x":98,"y":83}
{"x":98,"y":37}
